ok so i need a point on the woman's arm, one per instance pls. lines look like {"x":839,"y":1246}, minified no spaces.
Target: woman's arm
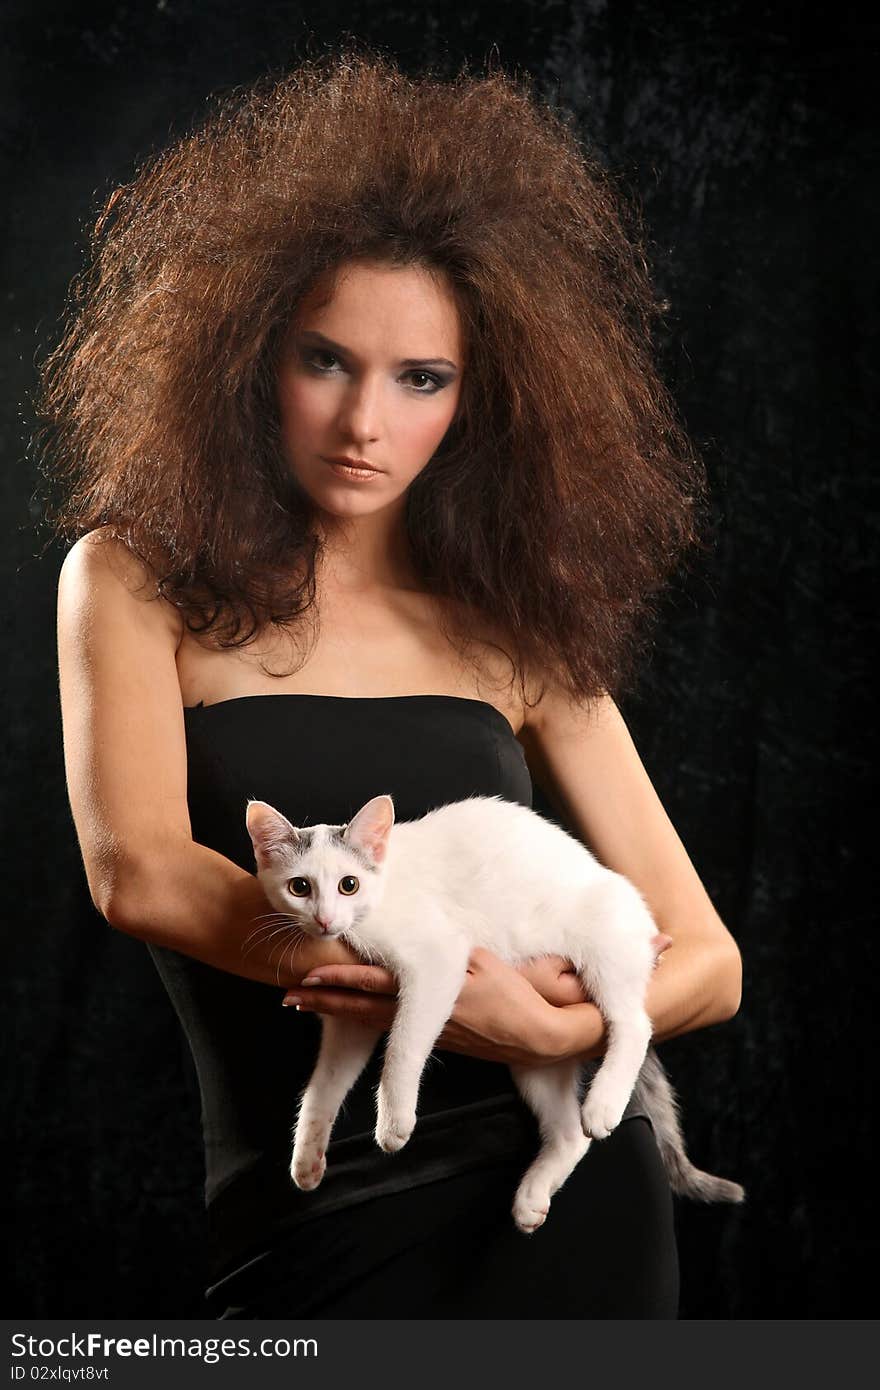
{"x":125,"y":756}
{"x":585,"y":759}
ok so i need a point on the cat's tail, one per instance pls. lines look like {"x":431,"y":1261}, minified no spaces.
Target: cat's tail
{"x":654,"y":1091}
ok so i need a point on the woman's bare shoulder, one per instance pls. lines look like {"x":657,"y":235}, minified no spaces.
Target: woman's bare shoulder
{"x":102,"y":552}
{"x":101,"y":568}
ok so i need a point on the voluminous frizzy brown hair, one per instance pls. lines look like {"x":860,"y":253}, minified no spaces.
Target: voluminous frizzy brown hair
{"x":564,"y":494}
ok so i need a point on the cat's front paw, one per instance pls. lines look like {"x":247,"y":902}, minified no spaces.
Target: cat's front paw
{"x":308,"y":1168}
{"x":599,"y":1116}
{"x":393,"y":1131}
{"x":530,"y":1206}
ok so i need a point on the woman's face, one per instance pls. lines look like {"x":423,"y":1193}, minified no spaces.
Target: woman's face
{"x":371,"y":370}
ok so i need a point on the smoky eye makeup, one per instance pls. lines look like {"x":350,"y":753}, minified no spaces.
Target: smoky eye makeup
{"x":427,"y":382}
{"x":311,"y":344}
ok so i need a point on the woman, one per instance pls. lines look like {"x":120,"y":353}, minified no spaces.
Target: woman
{"x":373,"y":481}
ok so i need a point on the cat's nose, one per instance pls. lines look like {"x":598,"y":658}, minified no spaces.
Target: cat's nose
{"x":325,"y":926}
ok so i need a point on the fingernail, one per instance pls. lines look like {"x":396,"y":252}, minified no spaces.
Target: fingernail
{"x":291,"y":999}
{"x":312,"y":980}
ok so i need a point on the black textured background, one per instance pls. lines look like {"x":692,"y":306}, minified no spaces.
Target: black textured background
{"x":744,"y":131}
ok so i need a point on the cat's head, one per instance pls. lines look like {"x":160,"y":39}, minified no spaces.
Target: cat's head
{"x":325,"y":877}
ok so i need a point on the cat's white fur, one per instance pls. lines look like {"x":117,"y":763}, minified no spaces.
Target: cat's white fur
{"x":479,"y":872}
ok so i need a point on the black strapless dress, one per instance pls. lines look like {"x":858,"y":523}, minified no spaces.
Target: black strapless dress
{"x":317,"y":759}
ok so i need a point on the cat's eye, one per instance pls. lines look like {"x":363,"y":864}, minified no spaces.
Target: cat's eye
{"x":349,"y":885}
{"x":299,"y":887}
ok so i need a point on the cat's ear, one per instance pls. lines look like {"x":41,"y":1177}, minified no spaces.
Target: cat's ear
{"x":272,"y":834}
{"x":370,"y":828}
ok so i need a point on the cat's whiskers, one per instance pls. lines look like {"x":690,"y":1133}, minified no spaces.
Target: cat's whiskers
{"x":298,"y":941}
{"x":254,"y":938}
{"x":270,"y":918}
{"x":293,"y":950}
{"x":288,"y":926}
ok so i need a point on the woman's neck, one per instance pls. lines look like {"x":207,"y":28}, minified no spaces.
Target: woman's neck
{"x":366,"y":554}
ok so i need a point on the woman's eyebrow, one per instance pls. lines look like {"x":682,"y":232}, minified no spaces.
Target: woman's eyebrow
{"x":405,"y":362}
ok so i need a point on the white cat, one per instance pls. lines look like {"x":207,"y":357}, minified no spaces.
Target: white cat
{"x":417,"y":897}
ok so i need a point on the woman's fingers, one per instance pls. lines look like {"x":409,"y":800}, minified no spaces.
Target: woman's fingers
{"x":372,"y":979}
{"x":375,"y":1009}
{"x":363,"y":992}
{"x":554,"y":979}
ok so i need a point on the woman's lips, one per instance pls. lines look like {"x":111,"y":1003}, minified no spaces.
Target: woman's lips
{"x":352,"y":471}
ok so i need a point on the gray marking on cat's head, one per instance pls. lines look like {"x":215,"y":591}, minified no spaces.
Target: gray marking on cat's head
{"x":336,"y":836}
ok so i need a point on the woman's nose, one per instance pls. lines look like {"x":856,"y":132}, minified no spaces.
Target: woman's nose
{"x":360,"y":416}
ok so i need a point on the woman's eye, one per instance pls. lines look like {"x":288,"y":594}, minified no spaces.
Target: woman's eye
{"x":433,"y":381}
{"x":299,"y":887}
{"x":349,"y":885}
{"x":423,"y":383}
{"x":319,"y":352}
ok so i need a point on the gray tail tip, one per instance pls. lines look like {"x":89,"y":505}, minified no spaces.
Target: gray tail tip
{"x":703,"y":1187}
{"x":730,"y":1192}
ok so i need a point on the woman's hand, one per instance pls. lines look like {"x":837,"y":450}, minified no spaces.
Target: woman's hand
{"x":555,"y":979}
{"x":498,"y":1016}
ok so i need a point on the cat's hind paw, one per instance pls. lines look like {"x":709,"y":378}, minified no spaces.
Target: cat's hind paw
{"x":530,"y":1211}
{"x":392,"y":1134}
{"x":307,"y":1169}
{"x":599,"y":1117}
